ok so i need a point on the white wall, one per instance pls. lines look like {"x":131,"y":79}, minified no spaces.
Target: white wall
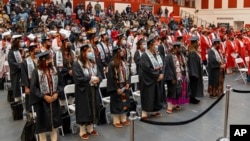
{"x":121,"y":6}
{"x":225,"y":15}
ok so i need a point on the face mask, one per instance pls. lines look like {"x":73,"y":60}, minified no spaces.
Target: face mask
{"x":96,"y":42}
{"x":91,"y":55}
{"x":22,"y":44}
{"x":84,"y":38}
{"x":37,"y":52}
{"x":145,"y":46}
{"x":124,"y":42}
{"x":156,"y":48}
{"x":39,"y":40}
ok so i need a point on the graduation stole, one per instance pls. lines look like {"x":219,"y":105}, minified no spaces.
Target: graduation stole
{"x":30,"y":66}
{"x":157,"y":62}
{"x":92,"y":71}
{"x":59,"y":59}
{"x":177,"y":67}
{"x":217,"y":54}
{"x":122,"y":72}
{"x":101,"y":50}
{"x":48,"y":83}
{"x":18,"y":56}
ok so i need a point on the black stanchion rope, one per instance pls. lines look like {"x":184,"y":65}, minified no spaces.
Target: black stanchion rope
{"x":186,"y":121}
{"x":241,"y":91}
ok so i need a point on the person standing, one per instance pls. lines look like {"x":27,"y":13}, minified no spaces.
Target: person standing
{"x":216,"y":70}
{"x":45,"y":84}
{"x":97,"y":8}
{"x":27,"y":68}
{"x":15,"y":60}
{"x":87,"y":77}
{"x":175,"y":77}
{"x":195,"y":70}
{"x":151,"y":74}
{"x":118,"y":81}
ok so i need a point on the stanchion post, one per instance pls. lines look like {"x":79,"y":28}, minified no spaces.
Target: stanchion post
{"x":132,"y":118}
{"x":224,"y":138}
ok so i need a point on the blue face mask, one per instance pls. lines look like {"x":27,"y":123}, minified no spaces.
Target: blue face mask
{"x":22,"y":44}
{"x":156,"y":48}
{"x":91,"y":55}
{"x":39,"y":40}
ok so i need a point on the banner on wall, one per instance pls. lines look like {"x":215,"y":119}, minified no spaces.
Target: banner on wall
{"x":226,"y":25}
{"x":147,"y":7}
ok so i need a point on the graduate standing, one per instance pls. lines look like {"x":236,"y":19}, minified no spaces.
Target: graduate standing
{"x":216,"y":70}
{"x":45,"y":86}
{"x":87,"y":99}
{"x":118,"y":81}
{"x":15,"y":60}
{"x":195,"y":70}
{"x":151,"y":74}
{"x":28,"y":66}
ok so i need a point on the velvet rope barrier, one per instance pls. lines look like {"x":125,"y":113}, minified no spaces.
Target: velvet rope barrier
{"x":241,"y":91}
{"x":186,"y":121}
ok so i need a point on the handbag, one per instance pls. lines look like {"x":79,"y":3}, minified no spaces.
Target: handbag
{"x":28,"y":133}
{"x":17,"y":110}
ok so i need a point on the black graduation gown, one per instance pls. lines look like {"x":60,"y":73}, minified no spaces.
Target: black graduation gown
{"x":213,"y":69}
{"x":150,"y":88}
{"x":137,"y":61}
{"x":87,"y":98}
{"x":195,"y":70}
{"x":116,"y":103}
{"x":161,"y":51}
{"x":26,"y":82}
{"x":170,"y":75}
{"x":15,"y":73}
{"x":46,"y":113}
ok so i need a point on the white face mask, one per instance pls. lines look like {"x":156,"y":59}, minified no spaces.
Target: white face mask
{"x":156,"y":48}
{"x":91,"y":55}
{"x":145,"y":46}
{"x":124,"y":42}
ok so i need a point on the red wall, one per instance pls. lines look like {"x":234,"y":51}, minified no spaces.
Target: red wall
{"x":217,"y":3}
{"x":246,"y":3}
{"x":232,"y":3}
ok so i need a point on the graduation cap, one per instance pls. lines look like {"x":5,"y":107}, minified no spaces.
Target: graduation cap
{"x":176,"y":44}
{"x":44,"y":38}
{"x":6,"y":34}
{"x":43,"y":55}
{"x":102,"y":33}
{"x":140,"y":41}
{"x":115,"y":49}
{"x":16,"y":36}
{"x":31,"y":37}
{"x":119,"y":36}
{"x":216,"y":40}
{"x":84,"y":46}
{"x":194,"y":38}
{"x":32,"y":46}
{"x":151,"y":38}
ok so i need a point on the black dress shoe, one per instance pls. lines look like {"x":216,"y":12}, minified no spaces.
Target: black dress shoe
{"x":193,"y":100}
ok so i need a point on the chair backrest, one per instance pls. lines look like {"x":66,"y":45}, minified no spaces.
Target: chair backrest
{"x":103,"y":84}
{"x":134,"y":79}
{"x":239,"y":62}
{"x":69,"y":89}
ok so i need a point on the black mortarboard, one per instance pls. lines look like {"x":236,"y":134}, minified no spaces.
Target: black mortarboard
{"x":115,"y":49}
{"x":151,"y":38}
{"x":43,"y":55}
{"x":194,"y":38}
{"x":216,"y":40}
{"x":177,"y":44}
{"x":84,"y":46}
